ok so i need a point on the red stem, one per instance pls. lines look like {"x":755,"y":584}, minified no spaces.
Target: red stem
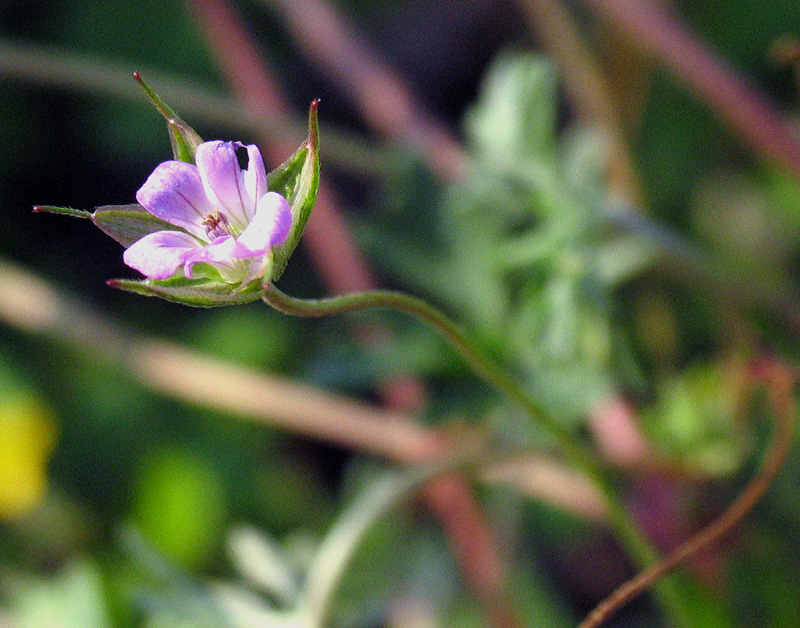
{"x":746,"y":111}
{"x":327,"y":238}
{"x":779,"y":381}
{"x":387,"y":104}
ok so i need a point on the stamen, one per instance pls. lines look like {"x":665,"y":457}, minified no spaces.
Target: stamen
{"x":216,"y":225}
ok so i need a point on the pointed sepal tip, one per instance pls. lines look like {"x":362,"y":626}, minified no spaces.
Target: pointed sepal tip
{"x":183,"y":138}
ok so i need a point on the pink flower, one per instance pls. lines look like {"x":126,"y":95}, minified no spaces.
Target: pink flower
{"x":224,"y":217}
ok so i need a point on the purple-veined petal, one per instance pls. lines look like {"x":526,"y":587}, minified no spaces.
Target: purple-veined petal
{"x":269,"y":227}
{"x":255,"y":179}
{"x":174,"y":192}
{"x":218,"y":253}
{"x":158,"y":255}
{"x":223,"y":180}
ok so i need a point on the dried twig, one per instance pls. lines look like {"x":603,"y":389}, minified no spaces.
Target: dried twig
{"x":779,"y":383}
{"x":389,"y":107}
{"x":658,"y":33}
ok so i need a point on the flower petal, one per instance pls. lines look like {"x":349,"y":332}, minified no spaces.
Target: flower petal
{"x":158,"y":255}
{"x":255,"y":179}
{"x":174,"y":192}
{"x":269,"y":227}
{"x":218,"y":254}
{"x":223,"y":180}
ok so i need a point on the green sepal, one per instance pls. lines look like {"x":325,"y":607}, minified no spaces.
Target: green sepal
{"x":125,"y":223}
{"x":297,"y":179}
{"x":64,"y":211}
{"x":128,"y":223}
{"x":183,"y":138}
{"x":192,"y":292}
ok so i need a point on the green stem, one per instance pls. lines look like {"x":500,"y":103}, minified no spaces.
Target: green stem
{"x":638,"y":546}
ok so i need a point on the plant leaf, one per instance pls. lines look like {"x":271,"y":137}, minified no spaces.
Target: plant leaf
{"x":516,"y":112}
{"x":125,"y":223}
{"x":64,"y":211}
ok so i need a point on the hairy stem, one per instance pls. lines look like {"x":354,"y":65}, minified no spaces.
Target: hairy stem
{"x":492,"y":373}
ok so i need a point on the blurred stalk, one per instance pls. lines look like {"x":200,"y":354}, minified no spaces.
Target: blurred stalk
{"x":47,"y":67}
{"x":31,"y":305}
{"x":658,"y":33}
{"x":340,"y":544}
{"x":387,"y":104}
{"x":586,"y":87}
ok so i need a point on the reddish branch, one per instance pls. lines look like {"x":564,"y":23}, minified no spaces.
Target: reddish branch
{"x":779,"y":382}
{"x":387,"y":104}
{"x":658,"y":33}
{"x":327,"y":238}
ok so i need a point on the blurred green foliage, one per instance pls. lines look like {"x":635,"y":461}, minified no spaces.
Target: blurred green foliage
{"x":520,"y":250}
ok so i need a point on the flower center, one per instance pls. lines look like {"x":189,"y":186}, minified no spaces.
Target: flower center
{"x":216,"y":225}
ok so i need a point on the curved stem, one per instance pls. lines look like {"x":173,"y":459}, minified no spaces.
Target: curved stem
{"x":486,"y":368}
{"x":749,"y":497}
{"x":492,"y":373}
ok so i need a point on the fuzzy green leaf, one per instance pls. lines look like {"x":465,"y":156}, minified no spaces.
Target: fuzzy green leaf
{"x":125,"y":223}
{"x":64,"y":211}
{"x":516,"y":112}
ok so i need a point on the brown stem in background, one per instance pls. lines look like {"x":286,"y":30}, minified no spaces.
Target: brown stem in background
{"x":461,"y":517}
{"x":387,"y":104}
{"x":628,"y":74}
{"x":332,"y":249}
{"x":744,"y":109}
{"x":779,"y":383}
{"x":586,"y":87}
{"x":31,"y":305}
{"x":786,"y":51}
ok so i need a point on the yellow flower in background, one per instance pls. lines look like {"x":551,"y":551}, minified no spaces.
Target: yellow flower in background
{"x":27,"y":438}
